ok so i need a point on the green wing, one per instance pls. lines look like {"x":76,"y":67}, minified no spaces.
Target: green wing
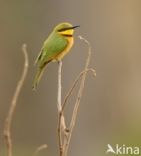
{"x":54,"y":45}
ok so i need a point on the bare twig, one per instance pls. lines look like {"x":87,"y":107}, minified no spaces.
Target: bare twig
{"x":74,"y":85}
{"x":61,"y":119}
{"x":8,"y":121}
{"x":59,"y":86}
{"x":64,"y":133}
{"x":40,"y":148}
{"x":75,"y":110}
{"x":59,"y":106}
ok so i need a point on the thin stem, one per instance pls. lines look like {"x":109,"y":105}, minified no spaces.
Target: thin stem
{"x":59,"y":86}
{"x":8,"y":121}
{"x":77,"y":103}
{"x":74,"y":85}
{"x":40,"y":148}
{"x":59,"y":106}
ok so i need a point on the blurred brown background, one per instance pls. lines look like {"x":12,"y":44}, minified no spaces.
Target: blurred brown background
{"x":110,"y":110}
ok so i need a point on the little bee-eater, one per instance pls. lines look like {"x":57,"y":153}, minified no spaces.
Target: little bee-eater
{"x":55,"y":47}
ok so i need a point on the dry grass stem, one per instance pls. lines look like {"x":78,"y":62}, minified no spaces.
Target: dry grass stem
{"x":8,"y":121}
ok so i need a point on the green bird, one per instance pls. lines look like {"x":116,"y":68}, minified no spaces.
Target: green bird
{"x":55,"y":47}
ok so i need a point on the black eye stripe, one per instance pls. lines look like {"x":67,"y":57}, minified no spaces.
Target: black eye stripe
{"x":64,"y":29}
{"x":68,"y":28}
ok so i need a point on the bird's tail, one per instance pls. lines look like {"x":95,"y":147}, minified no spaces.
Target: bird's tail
{"x":37,"y":77}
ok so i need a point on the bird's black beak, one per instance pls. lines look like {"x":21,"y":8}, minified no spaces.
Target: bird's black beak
{"x":64,"y":29}
{"x":75,"y":26}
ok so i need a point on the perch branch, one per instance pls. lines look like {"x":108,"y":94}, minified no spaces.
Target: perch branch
{"x":76,"y":106}
{"x":59,"y":86}
{"x":64,"y":133}
{"x":61,"y":119}
{"x":8,"y":121}
{"x":59,"y":106}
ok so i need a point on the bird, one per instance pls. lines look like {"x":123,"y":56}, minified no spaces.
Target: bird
{"x":54,"y":48}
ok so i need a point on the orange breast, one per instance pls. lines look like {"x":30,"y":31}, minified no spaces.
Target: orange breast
{"x":66,"y":50}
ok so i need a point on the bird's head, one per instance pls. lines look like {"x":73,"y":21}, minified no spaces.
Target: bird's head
{"x":65,"y":29}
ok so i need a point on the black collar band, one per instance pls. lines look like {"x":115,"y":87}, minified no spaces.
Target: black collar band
{"x":67,"y":35}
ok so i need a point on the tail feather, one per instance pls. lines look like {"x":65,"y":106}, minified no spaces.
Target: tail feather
{"x":37,"y":77}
